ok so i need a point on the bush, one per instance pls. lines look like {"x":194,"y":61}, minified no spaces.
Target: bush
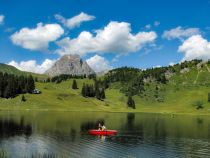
{"x":209,"y":97}
{"x":74,"y":84}
{"x":23,"y":99}
{"x":198,"y":104}
{"x":131,"y":102}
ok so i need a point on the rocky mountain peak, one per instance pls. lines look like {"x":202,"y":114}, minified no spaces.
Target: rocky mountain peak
{"x":70,"y":65}
{"x":70,"y":57}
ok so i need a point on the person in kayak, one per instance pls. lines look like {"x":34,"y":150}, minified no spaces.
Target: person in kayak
{"x":99,"y":127}
{"x":103,"y":127}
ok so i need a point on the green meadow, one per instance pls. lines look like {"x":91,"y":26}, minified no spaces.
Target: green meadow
{"x":186,"y":92}
{"x":61,"y":97}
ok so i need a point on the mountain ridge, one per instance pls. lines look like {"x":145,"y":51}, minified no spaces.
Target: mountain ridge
{"x":70,"y":65}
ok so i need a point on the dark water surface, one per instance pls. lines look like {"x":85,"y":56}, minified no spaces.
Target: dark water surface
{"x":64,"y":134}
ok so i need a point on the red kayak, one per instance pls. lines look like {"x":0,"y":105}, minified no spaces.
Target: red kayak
{"x":100,"y":132}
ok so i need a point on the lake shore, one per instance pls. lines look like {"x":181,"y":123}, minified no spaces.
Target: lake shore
{"x":20,"y":110}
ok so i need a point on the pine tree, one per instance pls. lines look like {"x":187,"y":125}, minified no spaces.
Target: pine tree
{"x":92,"y":93}
{"x":103,"y":96}
{"x":8,"y":90}
{"x":209,"y":97}
{"x":1,"y":84}
{"x":74,"y":84}
{"x":48,"y":79}
{"x":131,"y":102}
{"x":97,"y":92}
{"x":83,"y":90}
{"x":23,"y":99}
{"x":30,"y":84}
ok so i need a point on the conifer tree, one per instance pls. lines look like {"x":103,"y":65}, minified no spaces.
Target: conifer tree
{"x":131,"y":102}
{"x":209,"y":97}
{"x":30,"y":84}
{"x":83,"y":90}
{"x":23,"y":99}
{"x":74,"y":84}
{"x":103,"y":96}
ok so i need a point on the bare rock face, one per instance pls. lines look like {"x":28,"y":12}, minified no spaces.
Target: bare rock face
{"x":185,"y":70}
{"x":70,"y":65}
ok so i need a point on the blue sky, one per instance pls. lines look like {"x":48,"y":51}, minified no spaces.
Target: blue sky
{"x":184,"y":22}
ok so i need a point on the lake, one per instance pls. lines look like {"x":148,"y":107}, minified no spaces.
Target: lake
{"x":64,"y":134}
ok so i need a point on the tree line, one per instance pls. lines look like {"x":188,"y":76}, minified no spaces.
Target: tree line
{"x":97,"y":90}
{"x":64,"y":77}
{"x":11,"y":85}
{"x":133,"y":80}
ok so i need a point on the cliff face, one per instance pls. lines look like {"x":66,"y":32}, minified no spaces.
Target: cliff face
{"x":70,"y":65}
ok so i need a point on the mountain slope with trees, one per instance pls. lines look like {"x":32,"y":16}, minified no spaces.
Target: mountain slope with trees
{"x":181,"y":88}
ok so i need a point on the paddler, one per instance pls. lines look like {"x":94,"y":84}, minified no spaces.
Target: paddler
{"x":103,"y":127}
{"x":99,"y":127}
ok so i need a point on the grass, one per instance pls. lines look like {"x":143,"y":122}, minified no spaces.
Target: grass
{"x":60,"y":97}
{"x":185,"y":93}
{"x":12,"y":70}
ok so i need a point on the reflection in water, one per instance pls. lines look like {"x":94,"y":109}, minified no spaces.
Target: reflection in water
{"x":73,"y":134}
{"x":200,"y":121}
{"x":130,"y":120}
{"x":139,"y":135}
{"x":85,"y":126}
{"x":133,"y":128}
{"x":10,"y":128}
{"x":102,"y":138}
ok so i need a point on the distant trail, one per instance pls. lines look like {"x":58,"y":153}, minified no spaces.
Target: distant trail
{"x":196,"y":77}
{"x":207,"y":68}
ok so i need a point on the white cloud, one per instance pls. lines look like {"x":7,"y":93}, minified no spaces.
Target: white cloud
{"x":37,"y":38}
{"x":148,"y":26}
{"x":195,"y":47}
{"x":157,"y":66}
{"x":1,"y":19}
{"x":180,"y":33}
{"x":116,"y":37}
{"x":156,"y":23}
{"x":32,"y":66}
{"x":99,"y":64}
{"x":74,"y":21}
{"x":172,"y":63}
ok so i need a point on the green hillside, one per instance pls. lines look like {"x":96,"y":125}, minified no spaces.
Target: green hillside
{"x":12,"y":70}
{"x":184,"y":89}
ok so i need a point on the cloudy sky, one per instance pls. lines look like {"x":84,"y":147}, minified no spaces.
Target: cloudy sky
{"x":105,"y":33}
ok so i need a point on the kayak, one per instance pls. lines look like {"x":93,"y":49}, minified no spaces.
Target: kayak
{"x":100,"y":132}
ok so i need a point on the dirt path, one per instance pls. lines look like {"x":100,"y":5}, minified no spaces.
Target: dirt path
{"x":196,"y":77}
{"x":207,"y":68}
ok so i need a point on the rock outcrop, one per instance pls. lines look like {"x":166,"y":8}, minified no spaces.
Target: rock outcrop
{"x":70,"y":65}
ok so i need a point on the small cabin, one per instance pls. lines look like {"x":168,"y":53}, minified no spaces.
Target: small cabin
{"x":36,"y":91}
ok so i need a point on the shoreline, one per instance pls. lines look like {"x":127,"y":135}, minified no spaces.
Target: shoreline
{"x":106,"y":111}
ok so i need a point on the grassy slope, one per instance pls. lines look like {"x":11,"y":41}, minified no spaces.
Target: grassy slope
{"x":60,"y":97}
{"x":182,"y":92}
{"x":12,"y":70}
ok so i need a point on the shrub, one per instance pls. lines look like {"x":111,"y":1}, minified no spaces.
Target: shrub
{"x":198,"y":104}
{"x":23,"y":99}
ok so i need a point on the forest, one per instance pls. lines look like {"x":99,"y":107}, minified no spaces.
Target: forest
{"x":12,"y":85}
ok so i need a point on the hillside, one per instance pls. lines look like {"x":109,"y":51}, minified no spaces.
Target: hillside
{"x":12,"y":70}
{"x":184,"y":89}
{"x":181,"y":88}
